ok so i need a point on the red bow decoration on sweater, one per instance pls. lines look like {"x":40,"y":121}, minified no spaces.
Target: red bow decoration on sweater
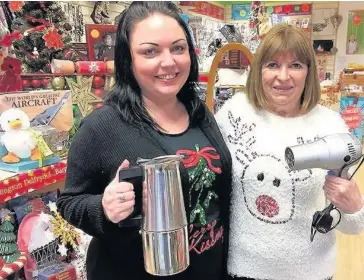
{"x":193,"y":157}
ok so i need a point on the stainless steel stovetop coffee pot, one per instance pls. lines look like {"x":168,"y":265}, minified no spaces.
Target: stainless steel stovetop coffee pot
{"x":164,"y":223}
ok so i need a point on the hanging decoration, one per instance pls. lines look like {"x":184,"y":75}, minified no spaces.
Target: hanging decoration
{"x":10,"y":79}
{"x":63,"y":230}
{"x":53,"y":39}
{"x":75,"y":15}
{"x":82,"y":95}
{"x":205,"y":8}
{"x":231,"y":34}
{"x":255,"y":10}
{"x":336,"y":20}
{"x":263,"y":21}
{"x":8,"y":39}
{"x":16,"y":6}
{"x":100,"y":14}
{"x":291,"y":9}
{"x":253,"y":20}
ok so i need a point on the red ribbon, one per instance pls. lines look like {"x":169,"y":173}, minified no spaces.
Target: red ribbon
{"x":194,"y":157}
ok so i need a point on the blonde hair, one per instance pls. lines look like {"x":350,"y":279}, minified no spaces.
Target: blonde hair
{"x":284,"y":38}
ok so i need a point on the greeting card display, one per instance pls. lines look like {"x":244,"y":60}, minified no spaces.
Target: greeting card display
{"x":352,"y":110}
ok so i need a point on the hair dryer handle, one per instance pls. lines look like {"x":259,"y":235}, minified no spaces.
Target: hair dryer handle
{"x":344,"y":173}
{"x":133,"y":175}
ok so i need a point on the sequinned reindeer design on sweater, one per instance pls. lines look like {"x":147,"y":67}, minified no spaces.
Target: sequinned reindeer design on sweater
{"x":269,"y":186}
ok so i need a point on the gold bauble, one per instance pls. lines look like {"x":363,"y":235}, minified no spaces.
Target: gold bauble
{"x":58,"y":83}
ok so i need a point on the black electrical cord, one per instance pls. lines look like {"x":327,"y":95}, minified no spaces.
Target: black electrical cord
{"x":322,"y":220}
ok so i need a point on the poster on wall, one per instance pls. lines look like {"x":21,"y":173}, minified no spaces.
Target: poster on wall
{"x":355,"y":34}
{"x":240,"y":12}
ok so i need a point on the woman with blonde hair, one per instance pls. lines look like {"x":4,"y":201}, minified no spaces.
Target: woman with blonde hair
{"x":271,"y":206}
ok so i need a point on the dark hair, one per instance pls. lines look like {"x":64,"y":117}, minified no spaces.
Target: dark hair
{"x":126,"y":96}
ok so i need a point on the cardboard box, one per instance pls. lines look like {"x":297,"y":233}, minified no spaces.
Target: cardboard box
{"x":44,"y":107}
{"x":52,"y":140}
{"x":59,"y":271}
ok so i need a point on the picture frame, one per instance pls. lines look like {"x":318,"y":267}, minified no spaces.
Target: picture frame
{"x":81,"y":50}
{"x":355,"y":37}
{"x":100,"y":39}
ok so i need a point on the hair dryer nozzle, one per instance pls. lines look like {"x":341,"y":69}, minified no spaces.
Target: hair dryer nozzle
{"x":331,"y":152}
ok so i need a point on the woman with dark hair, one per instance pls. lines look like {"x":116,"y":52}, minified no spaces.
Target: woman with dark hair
{"x":152,"y":111}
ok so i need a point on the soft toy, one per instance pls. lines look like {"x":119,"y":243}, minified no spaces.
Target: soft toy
{"x":18,"y":139}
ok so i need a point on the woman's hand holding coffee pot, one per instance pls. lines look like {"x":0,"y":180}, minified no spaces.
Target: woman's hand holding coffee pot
{"x":119,"y":198}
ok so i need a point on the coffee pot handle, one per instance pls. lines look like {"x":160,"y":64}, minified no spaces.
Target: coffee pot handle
{"x":133,"y":175}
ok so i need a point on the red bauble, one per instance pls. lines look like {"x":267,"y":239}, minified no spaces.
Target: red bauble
{"x":278,"y":9}
{"x":287,"y":9}
{"x":35,"y":83}
{"x":98,"y":92}
{"x":98,"y":82}
{"x":1,"y":263}
{"x":45,"y":82}
{"x":25,"y":83}
{"x":305,"y":8}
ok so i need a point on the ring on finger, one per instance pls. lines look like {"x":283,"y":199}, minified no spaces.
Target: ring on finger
{"x":122,"y":198}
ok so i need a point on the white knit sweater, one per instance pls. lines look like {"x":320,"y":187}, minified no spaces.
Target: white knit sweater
{"x":272,"y":207}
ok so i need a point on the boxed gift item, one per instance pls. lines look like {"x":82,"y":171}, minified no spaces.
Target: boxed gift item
{"x":45,"y":115}
{"x":22,"y":147}
{"x":44,"y":107}
{"x":58,"y":271}
{"x":56,"y":141}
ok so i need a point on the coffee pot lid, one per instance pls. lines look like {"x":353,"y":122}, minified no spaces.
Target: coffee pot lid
{"x":160,"y":160}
